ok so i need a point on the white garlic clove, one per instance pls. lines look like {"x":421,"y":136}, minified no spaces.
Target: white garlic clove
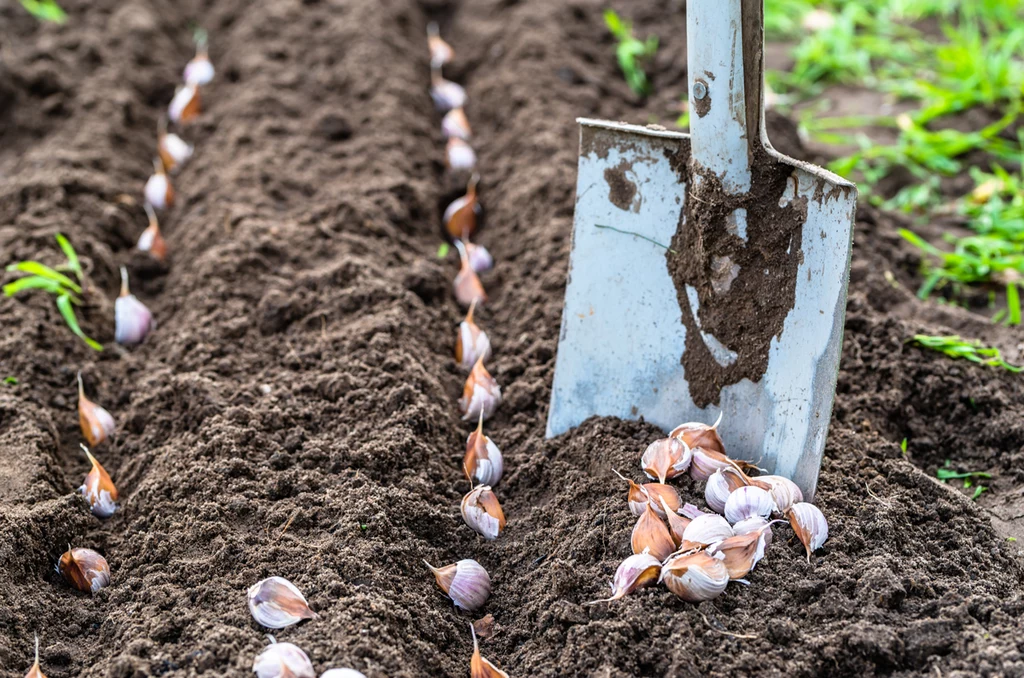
{"x":159,"y":192}
{"x":447,"y":94}
{"x":440,"y":51}
{"x":84,"y":569}
{"x":341,"y":673}
{"x":466,"y":583}
{"x":753,"y":524}
{"x":96,"y":423}
{"x":784,"y":491}
{"x":651,"y":536}
{"x":174,"y":151}
{"x":637,"y":571}
{"x":469,"y":291}
{"x":482,"y":463}
{"x":184,"y":107}
{"x":459,"y":155}
{"x":695,"y":577}
{"x":455,"y":125}
{"x":276,"y":603}
{"x":480,"y":260}
{"x":482,"y":512}
{"x":472,"y":343}
{"x":717,"y":491}
{"x":152,"y":240}
{"x":810,"y":526}
{"x":198,"y":71}
{"x":282,"y":660}
{"x":481,"y":394}
{"x":691,"y":511}
{"x":666,"y":458}
{"x":705,"y":462}
{"x":695,"y":434}
{"x":748,"y":501}
{"x":98,"y":489}
{"x":705,"y":530}
{"x":132,"y":320}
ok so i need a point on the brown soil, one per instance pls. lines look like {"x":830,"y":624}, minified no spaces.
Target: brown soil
{"x":294,"y":413}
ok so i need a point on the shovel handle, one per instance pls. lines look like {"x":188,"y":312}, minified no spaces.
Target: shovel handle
{"x":725,"y":65}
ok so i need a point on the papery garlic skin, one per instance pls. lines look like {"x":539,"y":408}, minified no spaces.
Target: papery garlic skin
{"x":198,"y":71}
{"x":747,"y":502}
{"x":96,"y":423}
{"x":481,"y":394}
{"x":132,"y":320}
{"x":658,"y":493}
{"x":480,"y":260}
{"x":695,"y":577}
{"x":665,"y":459}
{"x":98,"y":489}
{"x":753,"y":524}
{"x":482,"y":463}
{"x":637,"y":571}
{"x":473,"y":345}
{"x":460,"y":156}
{"x":276,"y":603}
{"x":740,"y":553}
{"x":482,"y":512}
{"x":283,"y":660}
{"x":341,"y":673}
{"x":84,"y":569}
{"x":447,"y":94}
{"x":784,"y":491}
{"x":706,"y":529}
{"x":174,"y":151}
{"x":698,"y":435}
{"x":810,"y":526}
{"x":466,"y":583}
{"x":705,"y":462}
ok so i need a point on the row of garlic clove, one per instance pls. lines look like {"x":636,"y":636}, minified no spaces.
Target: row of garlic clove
{"x":285,"y":660}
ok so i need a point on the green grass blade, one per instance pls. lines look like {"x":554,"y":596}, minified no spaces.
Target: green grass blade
{"x":33,"y":282}
{"x":45,"y":10}
{"x":69,"y":252}
{"x":35,"y":268}
{"x":68,"y":312}
{"x":1013,"y":303}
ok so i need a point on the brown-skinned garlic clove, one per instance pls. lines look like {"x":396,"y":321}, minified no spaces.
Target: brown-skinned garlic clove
{"x":741,"y":552}
{"x":84,"y":569}
{"x":480,"y":667}
{"x":651,"y":536}
{"x":637,"y":571}
{"x":677,"y":524}
{"x":465,"y":582}
{"x":455,"y":125}
{"x":282,"y":660}
{"x":810,"y":526}
{"x":159,"y":192}
{"x":696,"y":434}
{"x":482,"y":463}
{"x":152,"y":240}
{"x":445,"y":93}
{"x":460,"y":217}
{"x":185,"y":105}
{"x":132,"y":319}
{"x":172,"y":149}
{"x":36,"y":671}
{"x":482,"y":512}
{"x":747,"y":502}
{"x":459,"y":155}
{"x":468,"y":288}
{"x":695,"y":577}
{"x":276,"y":603}
{"x":441,"y":52}
{"x":98,"y":489}
{"x":96,"y":423}
{"x":481,"y":394}
{"x":640,"y":496}
{"x":472,"y":343}
{"x":705,"y":530}
{"x":784,"y":491}
{"x":665,"y":459}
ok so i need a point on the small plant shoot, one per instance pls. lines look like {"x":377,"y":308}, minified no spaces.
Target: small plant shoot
{"x":632,"y":54}
{"x":975,"y":351}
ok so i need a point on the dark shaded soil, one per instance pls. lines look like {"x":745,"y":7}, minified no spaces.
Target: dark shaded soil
{"x":294,"y":413}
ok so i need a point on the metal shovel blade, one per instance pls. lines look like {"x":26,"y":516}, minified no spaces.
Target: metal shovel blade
{"x":708,"y":272}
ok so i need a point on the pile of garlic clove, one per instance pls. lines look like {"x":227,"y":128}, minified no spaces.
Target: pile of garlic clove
{"x":695,"y":553}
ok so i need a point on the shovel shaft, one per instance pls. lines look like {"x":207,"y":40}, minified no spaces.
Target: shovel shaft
{"x":725,"y":57}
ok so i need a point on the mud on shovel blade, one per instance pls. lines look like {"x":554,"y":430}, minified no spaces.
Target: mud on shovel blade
{"x":708,"y":272}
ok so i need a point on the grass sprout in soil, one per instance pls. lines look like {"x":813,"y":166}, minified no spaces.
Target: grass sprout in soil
{"x":293,"y":414}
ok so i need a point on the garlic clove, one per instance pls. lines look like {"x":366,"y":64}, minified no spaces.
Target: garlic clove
{"x":695,"y":577}
{"x":705,"y":462}
{"x":460,"y":217}
{"x":753,"y":524}
{"x":440,"y":51}
{"x":810,"y":526}
{"x":651,"y":536}
{"x":185,"y":105}
{"x":696,"y":434}
{"x":677,"y":524}
{"x":99,"y":489}
{"x":455,"y":125}
{"x":691,"y":511}
{"x":482,"y":512}
{"x":657,"y":492}
{"x":468,"y":288}
{"x":276,"y":603}
{"x":466,"y":583}
{"x":96,"y":423}
{"x":459,"y":155}
{"x":480,"y":667}
{"x":84,"y":569}
{"x":159,"y":192}
{"x":481,"y":395}
{"x":446,"y":94}
{"x":480,"y":260}
{"x":172,"y":149}
{"x":483,"y":463}
{"x":705,"y":530}
{"x":36,"y":671}
{"x":198,"y":71}
{"x":740,"y":552}
{"x":152,"y":240}
{"x":666,"y":458}
{"x":472,"y":343}
{"x":282,"y":660}
{"x":747,"y":502}
{"x":341,"y":673}
{"x":637,"y":571}
{"x":132,"y":320}
{"x":784,"y":491}
{"x":636,"y":498}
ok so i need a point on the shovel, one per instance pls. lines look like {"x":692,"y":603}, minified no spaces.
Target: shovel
{"x":708,"y":272}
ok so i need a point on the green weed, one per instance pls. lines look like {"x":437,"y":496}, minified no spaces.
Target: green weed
{"x":632,"y":54}
{"x":974,"y":351}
